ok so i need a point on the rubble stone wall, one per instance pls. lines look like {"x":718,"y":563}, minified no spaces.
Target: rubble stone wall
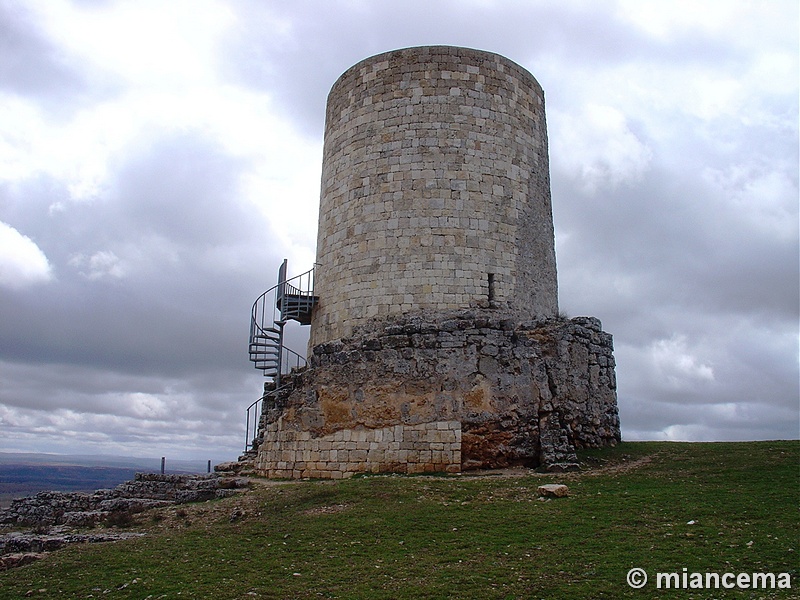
{"x":145,"y":491}
{"x":510,"y":393}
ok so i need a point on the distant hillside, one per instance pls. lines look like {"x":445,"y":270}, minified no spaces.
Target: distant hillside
{"x":17,"y":481}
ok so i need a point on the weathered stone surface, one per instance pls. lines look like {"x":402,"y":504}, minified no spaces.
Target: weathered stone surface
{"x":516,"y":393}
{"x":26,"y":542}
{"x":228,"y":467}
{"x":553,"y":490}
{"x":58,"y":512}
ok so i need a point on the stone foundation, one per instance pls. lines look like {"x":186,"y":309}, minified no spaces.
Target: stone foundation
{"x":446,"y":392}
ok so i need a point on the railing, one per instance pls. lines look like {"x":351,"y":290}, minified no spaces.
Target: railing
{"x":289,"y":299}
{"x":295,"y":297}
{"x":254,"y":412}
{"x":266,"y":309}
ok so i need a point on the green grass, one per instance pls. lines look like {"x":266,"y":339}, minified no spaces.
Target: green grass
{"x":462,"y":537}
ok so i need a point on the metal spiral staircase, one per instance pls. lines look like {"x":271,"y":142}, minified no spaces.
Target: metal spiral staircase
{"x":289,"y":300}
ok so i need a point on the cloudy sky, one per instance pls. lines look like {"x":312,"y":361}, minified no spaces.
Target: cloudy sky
{"x":158,"y":159}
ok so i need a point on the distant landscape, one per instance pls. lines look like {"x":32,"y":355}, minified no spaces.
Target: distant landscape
{"x":27,"y":474}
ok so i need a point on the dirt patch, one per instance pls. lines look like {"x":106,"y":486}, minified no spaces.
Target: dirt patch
{"x":587,"y":470}
{"x":326,"y":510}
{"x":626,"y":466}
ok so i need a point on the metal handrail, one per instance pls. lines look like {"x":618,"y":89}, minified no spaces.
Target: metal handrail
{"x":248,"y":441}
{"x":257,"y":317}
{"x":291,"y":298}
{"x":256,"y":408}
{"x":262,"y":321}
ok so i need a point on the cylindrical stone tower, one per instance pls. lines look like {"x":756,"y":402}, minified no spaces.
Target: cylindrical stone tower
{"x":435,"y":191}
{"x":436,"y":344}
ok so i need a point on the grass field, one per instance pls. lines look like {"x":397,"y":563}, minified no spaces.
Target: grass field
{"x":663,"y":507}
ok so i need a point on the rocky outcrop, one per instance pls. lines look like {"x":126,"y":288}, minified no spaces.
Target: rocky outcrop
{"x":53,"y":516}
{"x":147,"y":490}
{"x":512,"y":393}
{"x":20,"y":548}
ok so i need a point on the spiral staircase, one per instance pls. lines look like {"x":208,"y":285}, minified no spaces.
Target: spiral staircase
{"x":290,"y":299}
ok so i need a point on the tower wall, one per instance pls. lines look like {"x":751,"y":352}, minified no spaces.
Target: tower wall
{"x":435,"y":191}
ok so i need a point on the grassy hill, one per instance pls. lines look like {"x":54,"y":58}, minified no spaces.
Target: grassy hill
{"x":663,"y":507}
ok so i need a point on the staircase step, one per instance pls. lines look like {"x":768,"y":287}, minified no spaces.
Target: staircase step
{"x":265,"y":364}
{"x":260,"y":358}
{"x":257,"y":348}
{"x":273,"y":338}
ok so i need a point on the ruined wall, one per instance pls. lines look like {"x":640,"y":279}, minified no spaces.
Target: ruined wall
{"x":464,"y":390}
{"x":435,"y":177}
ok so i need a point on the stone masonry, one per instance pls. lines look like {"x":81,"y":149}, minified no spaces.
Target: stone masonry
{"x":436,"y":342}
{"x":435,"y":190}
{"x":426,"y":447}
{"x":417,"y":394}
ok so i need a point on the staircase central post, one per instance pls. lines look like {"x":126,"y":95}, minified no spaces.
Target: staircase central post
{"x":277,"y":379}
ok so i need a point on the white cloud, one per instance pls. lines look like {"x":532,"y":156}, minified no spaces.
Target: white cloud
{"x":677,"y":365}
{"x":140,"y":42}
{"x":146,"y":406}
{"x":100,"y":265}
{"x":747,"y":23}
{"x":22,"y":263}
{"x":597,"y":146}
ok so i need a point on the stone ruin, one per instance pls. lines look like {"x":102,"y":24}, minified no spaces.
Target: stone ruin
{"x":145,"y":491}
{"x":51,"y":520}
{"x":436,"y":343}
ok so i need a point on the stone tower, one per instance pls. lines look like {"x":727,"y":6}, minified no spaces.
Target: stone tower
{"x":435,"y":190}
{"x":436,"y":343}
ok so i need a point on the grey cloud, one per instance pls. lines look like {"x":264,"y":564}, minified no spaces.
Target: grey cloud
{"x":178,"y":306}
{"x":156,"y":356}
{"x":185,"y":188}
{"x":29,"y":63}
{"x":297,"y":51}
